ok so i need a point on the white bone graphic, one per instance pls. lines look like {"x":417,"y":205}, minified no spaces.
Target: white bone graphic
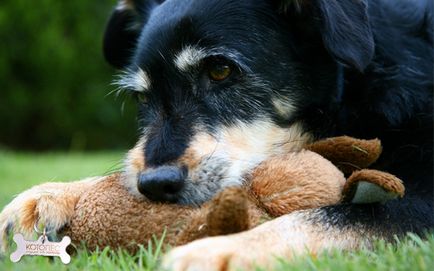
{"x":41,"y":248}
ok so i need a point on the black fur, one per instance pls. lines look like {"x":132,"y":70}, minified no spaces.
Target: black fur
{"x":384,"y":91}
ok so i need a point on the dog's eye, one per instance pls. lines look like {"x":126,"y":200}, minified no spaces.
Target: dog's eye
{"x":219,"y":71}
{"x":141,"y":97}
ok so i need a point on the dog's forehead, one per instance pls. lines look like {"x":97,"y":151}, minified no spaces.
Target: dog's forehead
{"x":184,"y":28}
{"x":206,"y":11}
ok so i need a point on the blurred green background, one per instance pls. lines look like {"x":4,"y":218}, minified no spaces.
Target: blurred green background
{"x":54,"y":82}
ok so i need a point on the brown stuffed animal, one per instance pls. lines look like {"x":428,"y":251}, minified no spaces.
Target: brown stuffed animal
{"x":109,"y":216}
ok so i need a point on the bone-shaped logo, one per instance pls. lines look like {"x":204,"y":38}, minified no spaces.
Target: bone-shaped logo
{"x":41,"y":247}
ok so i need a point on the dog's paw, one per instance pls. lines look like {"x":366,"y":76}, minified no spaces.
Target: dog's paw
{"x":283,"y":237}
{"x":233,"y":252}
{"x":215,"y":253}
{"x":50,"y":204}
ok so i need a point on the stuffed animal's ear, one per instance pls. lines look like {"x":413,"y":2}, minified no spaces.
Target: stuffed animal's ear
{"x":347,"y":153}
{"x":344,"y":27}
{"x":123,"y":30}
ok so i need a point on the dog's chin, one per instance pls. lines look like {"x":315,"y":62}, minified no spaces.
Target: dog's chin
{"x":197,"y":195}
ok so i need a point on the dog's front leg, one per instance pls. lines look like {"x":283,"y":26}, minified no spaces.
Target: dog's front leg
{"x":51,"y":204}
{"x":239,"y":251}
{"x":283,"y":237}
{"x":342,"y":227}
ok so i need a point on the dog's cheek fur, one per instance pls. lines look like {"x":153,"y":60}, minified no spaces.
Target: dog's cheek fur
{"x":223,"y":159}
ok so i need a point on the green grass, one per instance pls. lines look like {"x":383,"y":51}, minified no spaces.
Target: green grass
{"x":19,"y":171}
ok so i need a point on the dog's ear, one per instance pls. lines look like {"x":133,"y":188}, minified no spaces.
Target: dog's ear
{"x":123,"y":30}
{"x":344,"y":26}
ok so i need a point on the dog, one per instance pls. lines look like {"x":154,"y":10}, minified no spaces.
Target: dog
{"x":223,"y":85}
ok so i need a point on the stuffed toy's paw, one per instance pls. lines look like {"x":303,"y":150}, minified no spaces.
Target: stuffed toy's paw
{"x":369,"y":186}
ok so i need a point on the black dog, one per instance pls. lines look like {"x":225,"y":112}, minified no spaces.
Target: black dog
{"x":223,"y":85}
{"x":210,"y":68}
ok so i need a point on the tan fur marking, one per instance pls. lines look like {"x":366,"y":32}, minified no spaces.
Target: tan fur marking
{"x":263,"y":139}
{"x":243,"y":146}
{"x":134,"y":164}
{"x":190,"y":160}
{"x":201,"y":146}
{"x":136,"y":158}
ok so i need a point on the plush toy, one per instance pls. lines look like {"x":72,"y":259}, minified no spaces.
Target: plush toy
{"x":109,"y":216}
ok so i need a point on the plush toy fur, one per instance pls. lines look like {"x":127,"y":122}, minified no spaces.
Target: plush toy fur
{"x":107,"y":215}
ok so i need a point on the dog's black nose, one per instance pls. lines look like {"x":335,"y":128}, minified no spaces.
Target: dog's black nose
{"x":162,"y":183}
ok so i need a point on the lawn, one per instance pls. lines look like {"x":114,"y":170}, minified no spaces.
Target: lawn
{"x":19,"y":171}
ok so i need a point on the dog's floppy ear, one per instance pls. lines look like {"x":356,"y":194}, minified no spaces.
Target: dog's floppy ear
{"x":344,"y":27}
{"x":123,"y":30}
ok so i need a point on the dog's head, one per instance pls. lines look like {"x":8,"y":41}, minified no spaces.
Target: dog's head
{"x":222,"y":85}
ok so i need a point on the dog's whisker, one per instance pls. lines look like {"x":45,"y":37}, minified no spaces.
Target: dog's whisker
{"x":117,"y":167}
